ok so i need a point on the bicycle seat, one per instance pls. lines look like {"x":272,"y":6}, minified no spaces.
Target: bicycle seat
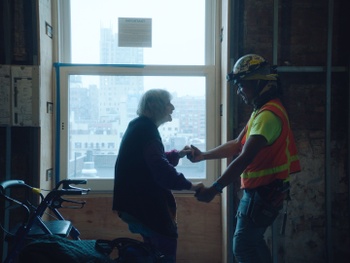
{"x":57,"y":227}
{"x":31,"y":216}
{"x":25,"y":197}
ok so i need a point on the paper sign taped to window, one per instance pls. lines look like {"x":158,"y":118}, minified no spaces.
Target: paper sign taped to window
{"x":134,"y":32}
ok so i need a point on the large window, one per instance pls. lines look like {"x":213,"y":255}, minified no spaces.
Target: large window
{"x":100,"y":82}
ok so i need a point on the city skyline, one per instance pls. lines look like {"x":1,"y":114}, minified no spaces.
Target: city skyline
{"x":100,"y":112}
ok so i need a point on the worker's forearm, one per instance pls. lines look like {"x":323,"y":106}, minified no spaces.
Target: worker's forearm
{"x":225,"y":150}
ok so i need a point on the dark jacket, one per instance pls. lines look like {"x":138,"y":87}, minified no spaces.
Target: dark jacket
{"x":144,"y":178}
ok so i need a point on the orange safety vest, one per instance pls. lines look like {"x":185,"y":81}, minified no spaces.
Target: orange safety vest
{"x":275,"y":161}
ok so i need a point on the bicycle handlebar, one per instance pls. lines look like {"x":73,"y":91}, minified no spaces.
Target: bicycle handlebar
{"x":66,"y":189}
{"x":67,"y":182}
{"x":11,"y":183}
{"x":72,"y":191}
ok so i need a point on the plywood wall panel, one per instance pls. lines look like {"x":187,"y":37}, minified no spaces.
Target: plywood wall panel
{"x":199,"y":226}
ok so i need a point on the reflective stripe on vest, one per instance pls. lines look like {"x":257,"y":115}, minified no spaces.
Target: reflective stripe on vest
{"x":266,"y":167}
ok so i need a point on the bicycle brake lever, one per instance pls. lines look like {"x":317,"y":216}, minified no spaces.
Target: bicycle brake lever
{"x":58,"y":203}
{"x":77,"y":189}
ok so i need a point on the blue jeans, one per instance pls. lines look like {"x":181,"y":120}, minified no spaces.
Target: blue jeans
{"x":249,"y":245}
{"x":166,"y":245}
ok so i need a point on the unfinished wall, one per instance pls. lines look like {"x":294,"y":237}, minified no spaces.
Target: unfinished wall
{"x":302,"y":51}
{"x":46,"y":93}
{"x":199,"y":226}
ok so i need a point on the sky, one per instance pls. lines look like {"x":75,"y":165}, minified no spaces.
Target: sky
{"x":177,"y":35}
{"x":177,"y":28}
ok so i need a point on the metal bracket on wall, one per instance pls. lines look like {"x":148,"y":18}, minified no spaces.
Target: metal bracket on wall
{"x":48,"y":30}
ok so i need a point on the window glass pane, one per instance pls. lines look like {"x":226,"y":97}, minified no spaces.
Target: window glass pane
{"x":100,"y":108}
{"x":178,"y":31}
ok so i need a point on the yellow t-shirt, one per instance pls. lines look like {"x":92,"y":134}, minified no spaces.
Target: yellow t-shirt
{"x":268,"y":125}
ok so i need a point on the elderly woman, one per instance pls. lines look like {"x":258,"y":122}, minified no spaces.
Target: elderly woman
{"x":145,"y":176}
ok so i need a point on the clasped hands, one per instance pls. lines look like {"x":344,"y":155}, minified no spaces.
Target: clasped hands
{"x":203,"y":193}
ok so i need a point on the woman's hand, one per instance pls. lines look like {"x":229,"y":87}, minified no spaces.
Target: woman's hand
{"x":185,"y":151}
{"x":197,"y":186}
{"x":195,"y":155}
{"x":206,"y":194}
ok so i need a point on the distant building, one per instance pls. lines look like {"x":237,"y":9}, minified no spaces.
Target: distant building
{"x":100,"y":113}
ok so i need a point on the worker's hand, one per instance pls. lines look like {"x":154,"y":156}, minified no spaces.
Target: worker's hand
{"x":195,"y":155}
{"x":185,"y":151}
{"x":197,"y":186}
{"x":206,"y":194}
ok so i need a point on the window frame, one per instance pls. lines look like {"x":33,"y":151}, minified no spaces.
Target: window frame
{"x":64,"y":70}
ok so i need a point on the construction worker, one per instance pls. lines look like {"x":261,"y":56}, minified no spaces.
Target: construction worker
{"x":265,"y":155}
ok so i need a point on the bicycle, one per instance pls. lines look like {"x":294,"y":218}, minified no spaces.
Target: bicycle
{"x":48,"y":240}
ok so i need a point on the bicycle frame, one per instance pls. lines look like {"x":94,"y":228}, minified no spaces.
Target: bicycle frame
{"x":53,"y":201}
